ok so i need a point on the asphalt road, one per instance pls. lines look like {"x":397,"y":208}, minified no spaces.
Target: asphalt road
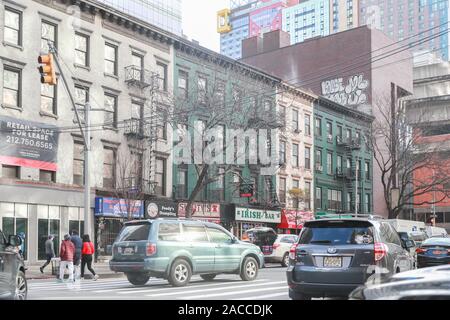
{"x":270,"y":285}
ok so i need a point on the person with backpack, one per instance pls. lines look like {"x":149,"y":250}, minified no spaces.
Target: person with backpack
{"x":86,"y":256}
{"x":66,"y":254}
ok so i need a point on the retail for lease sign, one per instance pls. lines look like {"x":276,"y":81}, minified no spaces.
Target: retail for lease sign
{"x":257,"y":215}
{"x":28,"y":144}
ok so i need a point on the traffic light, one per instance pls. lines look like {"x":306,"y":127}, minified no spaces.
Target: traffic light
{"x":47,"y":70}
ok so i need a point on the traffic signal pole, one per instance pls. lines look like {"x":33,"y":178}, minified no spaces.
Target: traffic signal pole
{"x":86,"y":134}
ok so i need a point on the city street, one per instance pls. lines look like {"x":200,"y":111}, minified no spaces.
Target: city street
{"x":270,"y":285}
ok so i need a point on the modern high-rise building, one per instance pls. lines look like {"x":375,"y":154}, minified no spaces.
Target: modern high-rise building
{"x":402,"y":20}
{"x":248,"y":18}
{"x":163,"y":14}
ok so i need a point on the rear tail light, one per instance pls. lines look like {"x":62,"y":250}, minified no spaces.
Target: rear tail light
{"x":380,"y":251}
{"x":151,"y":249}
{"x":421,"y":250}
{"x":292,"y":252}
{"x":276,"y":246}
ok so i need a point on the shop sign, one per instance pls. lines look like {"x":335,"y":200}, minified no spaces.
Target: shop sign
{"x":118,"y":208}
{"x":28,"y":144}
{"x":258,"y":215}
{"x":201,"y":210}
{"x":289,"y":218}
{"x":163,"y":209}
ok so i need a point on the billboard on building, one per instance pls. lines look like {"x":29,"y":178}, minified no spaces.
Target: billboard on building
{"x":118,"y":208}
{"x":28,"y":144}
{"x":201,"y":211}
{"x":165,"y":209}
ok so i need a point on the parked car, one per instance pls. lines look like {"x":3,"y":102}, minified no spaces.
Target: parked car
{"x":280,"y":249}
{"x":406,"y":236}
{"x":177,"y":249}
{"x":421,"y":284}
{"x":13,"y":284}
{"x":262,"y":237}
{"x":433,"y":252}
{"x":335,"y":256}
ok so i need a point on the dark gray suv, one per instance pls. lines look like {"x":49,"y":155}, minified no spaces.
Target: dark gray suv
{"x":335,"y":256}
{"x":13,"y":284}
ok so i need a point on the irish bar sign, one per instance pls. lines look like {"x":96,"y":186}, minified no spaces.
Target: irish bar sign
{"x":28,"y":144}
{"x":258,"y":215}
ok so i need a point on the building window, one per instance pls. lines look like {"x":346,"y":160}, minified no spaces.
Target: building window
{"x":307,"y":195}
{"x":295,"y":160}
{"x":329,"y":163}
{"x":295,"y":123}
{"x":307,"y":125}
{"x":162,"y":72}
{"x":367,"y":203}
{"x":318,"y":204}
{"x":137,"y":61}
{"x":202,"y":89}
{"x":367,"y":170}
{"x":308,"y":158}
{"x":182,"y":183}
{"x":282,"y":152}
{"x":81,"y":50}
{"x":48,"y":99}
{"x":10,"y":172}
{"x":282,"y":194}
{"x":350,"y":206}
{"x":110,"y":110}
{"x":47,"y":176}
{"x":48,"y":35}
{"x":160,"y":176}
{"x":12,"y":87}
{"x":13,"y":27}
{"x":318,"y":127}
{"x":78,"y":163}
{"x":110,"y":59}
{"x":109,"y":168}
{"x":81,"y":98}
{"x":183,"y":84}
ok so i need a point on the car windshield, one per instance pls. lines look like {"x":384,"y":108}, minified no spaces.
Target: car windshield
{"x":134,"y":232}
{"x":330,"y":233}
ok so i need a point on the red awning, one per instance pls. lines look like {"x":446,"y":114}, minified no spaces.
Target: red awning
{"x":288,"y":218}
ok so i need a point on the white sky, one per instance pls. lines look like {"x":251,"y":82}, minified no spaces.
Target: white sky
{"x":199,"y":21}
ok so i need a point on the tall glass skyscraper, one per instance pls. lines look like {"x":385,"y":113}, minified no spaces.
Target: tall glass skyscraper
{"x":165,"y":14}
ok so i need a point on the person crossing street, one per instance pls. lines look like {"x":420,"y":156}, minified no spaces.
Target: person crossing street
{"x":49,"y":252}
{"x":66,"y":254}
{"x":87,"y":254}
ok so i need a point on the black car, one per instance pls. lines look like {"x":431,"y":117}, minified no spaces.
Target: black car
{"x":335,"y":256}
{"x":13,"y":284}
{"x":433,"y":252}
{"x":421,"y":284}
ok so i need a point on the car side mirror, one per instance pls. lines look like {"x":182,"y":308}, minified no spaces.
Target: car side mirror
{"x":234,"y":240}
{"x":409,"y":244}
{"x":14,"y":241}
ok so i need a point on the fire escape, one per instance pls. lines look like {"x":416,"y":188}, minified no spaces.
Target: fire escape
{"x":349,"y":174}
{"x":145,"y":127}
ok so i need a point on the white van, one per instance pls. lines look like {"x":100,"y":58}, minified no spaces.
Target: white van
{"x":435,"y":232}
{"x":407,"y":226}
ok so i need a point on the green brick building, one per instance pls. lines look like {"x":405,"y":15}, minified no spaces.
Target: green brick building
{"x":343,"y":161}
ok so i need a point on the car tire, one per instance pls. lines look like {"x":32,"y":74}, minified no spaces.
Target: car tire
{"x":249,"y":269}
{"x":138,"y":278}
{"x":298,"y":296}
{"x":208,"y":277}
{"x":21,"y":289}
{"x":180,"y":273}
{"x":285,"y":261}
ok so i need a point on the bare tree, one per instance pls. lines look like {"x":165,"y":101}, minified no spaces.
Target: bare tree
{"x":405,"y":158}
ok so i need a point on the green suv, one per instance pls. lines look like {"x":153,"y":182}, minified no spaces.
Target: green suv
{"x":177,"y":249}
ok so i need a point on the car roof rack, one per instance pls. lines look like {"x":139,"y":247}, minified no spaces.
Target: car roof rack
{"x":350,"y":216}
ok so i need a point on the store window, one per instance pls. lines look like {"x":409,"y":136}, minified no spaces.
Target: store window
{"x":76,"y":217}
{"x":48,"y":224}
{"x":14,"y":221}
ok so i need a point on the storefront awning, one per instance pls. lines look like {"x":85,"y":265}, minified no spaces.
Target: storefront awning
{"x":289,"y":218}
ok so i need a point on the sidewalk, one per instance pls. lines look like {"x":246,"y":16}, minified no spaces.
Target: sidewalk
{"x":102,"y":269}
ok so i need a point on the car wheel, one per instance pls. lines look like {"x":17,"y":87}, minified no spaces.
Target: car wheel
{"x":21,"y":287}
{"x":285,"y":261}
{"x":180,"y":273}
{"x":249,"y":270}
{"x":138,"y":279}
{"x":208,"y":277}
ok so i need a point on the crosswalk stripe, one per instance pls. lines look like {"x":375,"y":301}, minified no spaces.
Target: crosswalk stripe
{"x":267,"y":296}
{"x":233,"y":292}
{"x":215,"y":289}
{"x":85,"y":284}
{"x":177,"y":289}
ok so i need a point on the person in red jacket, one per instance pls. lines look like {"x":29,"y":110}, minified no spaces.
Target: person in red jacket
{"x":86,"y":256}
{"x":66,"y":254}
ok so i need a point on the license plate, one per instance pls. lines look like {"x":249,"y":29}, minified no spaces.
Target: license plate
{"x":332,"y":262}
{"x":437,"y":252}
{"x":128,"y":251}
{"x":267,"y":250}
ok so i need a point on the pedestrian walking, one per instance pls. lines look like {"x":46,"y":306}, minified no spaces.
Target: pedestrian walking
{"x":76,"y":240}
{"x":49,"y":252}
{"x":86,"y":257}
{"x":66,"y":254}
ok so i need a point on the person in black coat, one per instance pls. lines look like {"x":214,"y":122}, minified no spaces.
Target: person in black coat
{"x":78,"y":244}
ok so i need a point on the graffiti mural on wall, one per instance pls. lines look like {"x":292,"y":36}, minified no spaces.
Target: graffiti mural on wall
{"x":352,"y":93}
